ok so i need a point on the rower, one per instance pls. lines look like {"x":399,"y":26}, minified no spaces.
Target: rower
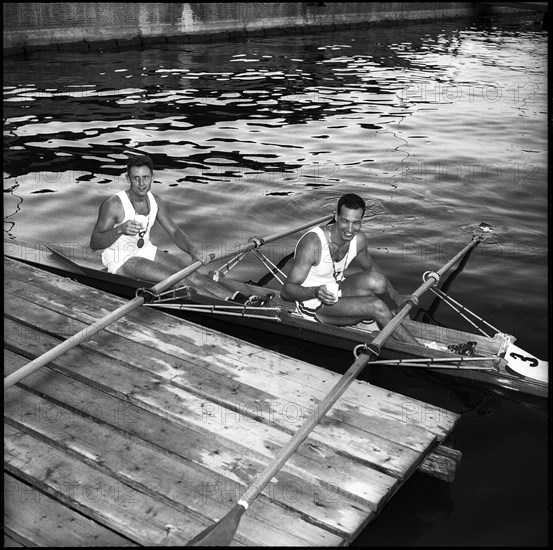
{"x":122,"y":232}
{"x":317,"y":281}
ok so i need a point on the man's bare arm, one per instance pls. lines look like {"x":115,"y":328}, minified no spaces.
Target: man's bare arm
{"x":104,"y":233}
{"x":179,"y":237}
{"x":307,"y":254}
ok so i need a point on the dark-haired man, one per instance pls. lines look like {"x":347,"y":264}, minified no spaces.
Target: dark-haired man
{"x":123,"y":227}
{"x":317,"y":284}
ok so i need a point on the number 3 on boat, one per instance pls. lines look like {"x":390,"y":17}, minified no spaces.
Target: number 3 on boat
{"x":525,"y":364}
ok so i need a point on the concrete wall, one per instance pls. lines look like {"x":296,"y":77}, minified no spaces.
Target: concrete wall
{"x":114,"y":25}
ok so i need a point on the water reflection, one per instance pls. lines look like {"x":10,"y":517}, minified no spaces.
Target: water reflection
{"x":268,"y":91}
{"x":414,"y":115}
{"x":154,"y":98}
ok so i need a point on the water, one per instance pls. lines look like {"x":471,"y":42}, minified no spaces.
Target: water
{"x":439,"y":127}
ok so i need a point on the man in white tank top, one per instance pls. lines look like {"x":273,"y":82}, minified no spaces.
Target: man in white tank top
{"x":317,"y":284}
{"x":123,"y":227}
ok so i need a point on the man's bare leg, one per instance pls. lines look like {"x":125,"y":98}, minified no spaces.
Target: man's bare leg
{"x":350,"y":310}
{"x":165,"y":266}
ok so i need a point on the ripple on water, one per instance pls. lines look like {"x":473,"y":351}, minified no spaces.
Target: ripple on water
{"x":436,"y":128}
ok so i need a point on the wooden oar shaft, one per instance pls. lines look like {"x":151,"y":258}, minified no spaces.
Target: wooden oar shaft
{"x":324,"y":406}
{"x":179,"y":275}
{"x":222,"y":533}
{"x":457,"y":257}
{"x":75,"y":340}
{"x":99,"y":325}
{"x":170,"y":281}
{"x":281,"y":235}
{"x":86,"y":333}
{"x":321,"y":409}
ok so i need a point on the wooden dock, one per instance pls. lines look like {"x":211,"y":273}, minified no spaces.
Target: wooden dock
{"x":152,"y":429}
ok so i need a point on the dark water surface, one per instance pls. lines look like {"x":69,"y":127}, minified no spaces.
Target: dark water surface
{"x":439,"y":127}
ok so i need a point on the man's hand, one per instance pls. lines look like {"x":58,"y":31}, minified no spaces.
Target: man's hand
{"x":402,"y":299}
{"x":325,"y":296}
{"x":206,"y":258}
{"x":131,"y":227}
{"x":201,"y":256}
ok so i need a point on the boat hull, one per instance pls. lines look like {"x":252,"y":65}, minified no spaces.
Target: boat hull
{"x":279,"y":318}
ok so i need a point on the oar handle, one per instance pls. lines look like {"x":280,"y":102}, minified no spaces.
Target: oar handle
{"x":335,"y":393}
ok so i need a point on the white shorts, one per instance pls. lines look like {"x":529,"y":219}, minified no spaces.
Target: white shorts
{"x":308,"y":309}
{"x":114,"y":261}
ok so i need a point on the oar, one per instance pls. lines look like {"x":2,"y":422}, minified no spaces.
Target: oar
{"x":222,"y":532}
{"x":431,"y":311}
{"x":136,"y":302}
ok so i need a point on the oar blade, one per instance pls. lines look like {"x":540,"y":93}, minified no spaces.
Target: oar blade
{"x":222,"y":532}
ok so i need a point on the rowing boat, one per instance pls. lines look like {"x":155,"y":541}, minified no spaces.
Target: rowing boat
{"x":491,"y":360}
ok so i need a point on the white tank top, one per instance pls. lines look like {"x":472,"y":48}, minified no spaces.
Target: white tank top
{"x":327,"y":271}
{"x":126,"y":245}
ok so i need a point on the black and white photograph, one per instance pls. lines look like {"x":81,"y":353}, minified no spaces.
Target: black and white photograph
{"x":276,"y":274}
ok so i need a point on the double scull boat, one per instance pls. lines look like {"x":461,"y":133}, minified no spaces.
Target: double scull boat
{"x":484,"y":357}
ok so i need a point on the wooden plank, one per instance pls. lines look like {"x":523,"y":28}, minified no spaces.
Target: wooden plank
{"x":443,"y":463}
{"x":333,"y":474}
{"x":160,"y":474}
{"x":117,"y":506}
{"x":129,"y":511}
{"x":378,"y":422}
{"x":391,"y":457}
{"x":263,"y":365}
{"x":215,"y":345}
{"x":211,"y":412}
{"x":362,"y":437}
{"x":34,"y":518}
{"x":253,"y":441}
